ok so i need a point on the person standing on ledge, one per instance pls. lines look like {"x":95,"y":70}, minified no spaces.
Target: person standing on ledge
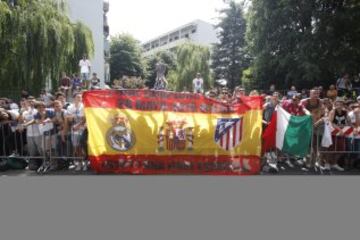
{"x":85,"y":69}
{"x":160,"y":83}
{"x":198,"y":84}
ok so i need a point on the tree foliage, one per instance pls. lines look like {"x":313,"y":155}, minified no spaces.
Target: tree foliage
{"x":190,"y":59}
{"x":167,"y":57}
{"x":37,"y":42}
{"x":126,"y":58}
{"x":303,"y":42}
{"x":230,"y":57}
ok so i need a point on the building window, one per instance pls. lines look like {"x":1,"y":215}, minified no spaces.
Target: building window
{"x":194,"y":30}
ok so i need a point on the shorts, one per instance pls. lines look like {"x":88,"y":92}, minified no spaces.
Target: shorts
{"x":76,"y":139}
{"x":84,"y":76}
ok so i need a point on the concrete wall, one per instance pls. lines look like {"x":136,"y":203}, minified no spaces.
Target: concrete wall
{"x":205,"y":34}
{"x":91,"y":13}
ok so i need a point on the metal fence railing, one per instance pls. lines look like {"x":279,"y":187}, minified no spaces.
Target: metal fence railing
{"x":49,"y":151}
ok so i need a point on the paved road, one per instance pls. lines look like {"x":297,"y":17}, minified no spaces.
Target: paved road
{"x":282,"y":172}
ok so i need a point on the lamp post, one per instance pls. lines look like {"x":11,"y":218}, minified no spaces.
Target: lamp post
{"x":12,"y":3}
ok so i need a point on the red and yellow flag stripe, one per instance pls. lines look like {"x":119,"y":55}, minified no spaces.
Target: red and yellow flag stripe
{"x":143,"y":131}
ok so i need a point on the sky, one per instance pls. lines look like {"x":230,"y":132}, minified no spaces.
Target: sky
{"x":147,"y":19}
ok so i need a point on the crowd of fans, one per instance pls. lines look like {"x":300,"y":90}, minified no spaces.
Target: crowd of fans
{"x":54,"y":124}
{"x":49,"y":128}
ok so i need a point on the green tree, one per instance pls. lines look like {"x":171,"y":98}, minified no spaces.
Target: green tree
{"x":303,"y":42}
{"x":167,"y":57}
{"x":190,"y":59}
{"x":37,"y":42}
{"x":230,"y":56}
{"x":126,"y":57}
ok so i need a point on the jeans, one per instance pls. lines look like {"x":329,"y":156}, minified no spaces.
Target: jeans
{"x":34,"y":146}
{"x":353,"y":145}
{"x":84,"y":76}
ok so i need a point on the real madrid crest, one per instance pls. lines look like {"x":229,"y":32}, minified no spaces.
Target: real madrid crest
{"x":120,"y":137}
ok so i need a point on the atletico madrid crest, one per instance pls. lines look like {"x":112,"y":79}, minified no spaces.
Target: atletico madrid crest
{"x":229,"y":131}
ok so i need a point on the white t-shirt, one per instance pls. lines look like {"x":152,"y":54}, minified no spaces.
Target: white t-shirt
{"x":352,"y":116}
{"x":32,"y":130}
{"x":46,"y":98}
{"x":85,"y":66}
{"x":198,"y":84}
{"x":77,"y":113}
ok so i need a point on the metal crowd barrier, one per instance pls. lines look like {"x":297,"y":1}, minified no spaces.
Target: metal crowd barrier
{"x":345,"y":146}
{"x":51,"y":151}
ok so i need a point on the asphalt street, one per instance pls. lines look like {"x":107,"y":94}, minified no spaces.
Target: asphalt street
{"x":283,"y":171}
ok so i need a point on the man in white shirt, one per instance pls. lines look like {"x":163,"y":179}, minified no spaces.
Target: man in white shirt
{"x":198,"y":84}
{"x":33,"y":136}
{"x":75,"y":117}
{"x":85,"y":69}
{"x":46,"y":97}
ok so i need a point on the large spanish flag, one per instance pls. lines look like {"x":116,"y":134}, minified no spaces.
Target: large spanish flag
{"x":157,"y":132}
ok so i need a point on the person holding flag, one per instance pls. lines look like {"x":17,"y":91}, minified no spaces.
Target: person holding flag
{"x":291,"y":134}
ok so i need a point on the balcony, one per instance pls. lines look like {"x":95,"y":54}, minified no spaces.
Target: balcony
{"x":106,"y":31}
{"x":168,"y":46}
{"x":106,"y":6}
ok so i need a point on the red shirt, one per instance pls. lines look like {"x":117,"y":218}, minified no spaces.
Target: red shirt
{"x":65,"y":82}
{"x":296,"y":110}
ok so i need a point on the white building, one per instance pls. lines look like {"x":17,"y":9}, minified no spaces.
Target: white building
{"x":198,"y":32}
{"x":93,"y":14}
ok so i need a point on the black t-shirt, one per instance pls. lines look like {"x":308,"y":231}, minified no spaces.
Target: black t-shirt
{"x":340,"y":118}
{"x":95,"y":82}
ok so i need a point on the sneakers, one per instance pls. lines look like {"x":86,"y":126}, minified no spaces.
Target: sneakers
{"x":274,"y":167}
{"x":326,"y":167}
{"x":72,"y":166}
{"x":337,"y":168}
{"x":85,"y":166}
{"x":288,"y":162}
{"x":300,"y":162}
{"x":78,"y":166}
{"x":40,"y":169}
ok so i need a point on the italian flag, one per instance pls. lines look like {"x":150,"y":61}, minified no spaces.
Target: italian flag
{"x":290,"y":134}
{"x":293,"y":133}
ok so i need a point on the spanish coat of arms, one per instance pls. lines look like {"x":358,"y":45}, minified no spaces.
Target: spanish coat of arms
{"x":174,"y":135}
